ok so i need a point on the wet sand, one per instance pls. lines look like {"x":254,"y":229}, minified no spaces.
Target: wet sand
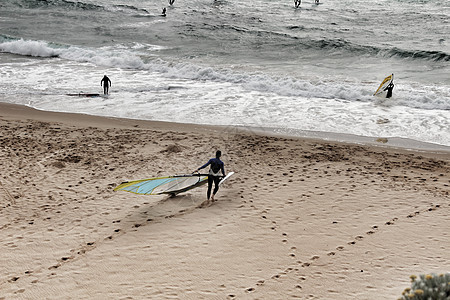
{"x":302,"y":218}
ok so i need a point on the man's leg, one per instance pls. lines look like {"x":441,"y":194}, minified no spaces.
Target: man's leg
{"x":210,"y":182}
{"x":216,"y":186}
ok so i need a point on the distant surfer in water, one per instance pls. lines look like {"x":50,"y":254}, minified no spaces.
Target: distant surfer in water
{"x":297,"y":3}
{"x":171,"y":2}
{"x":317,"y":1}
{"x":389,"y":89}
{"x":216,"y":167}
{"x":163,"y":12}
{"x":106,"y":84}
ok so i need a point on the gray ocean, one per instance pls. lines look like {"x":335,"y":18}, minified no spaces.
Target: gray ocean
{"x":261,"y":64}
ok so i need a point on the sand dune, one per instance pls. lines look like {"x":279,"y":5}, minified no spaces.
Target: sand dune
{"x":301,"y":218}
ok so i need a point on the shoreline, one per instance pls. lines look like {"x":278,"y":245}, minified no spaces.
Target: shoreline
{"x":394,"y":143}
{"x":383,"y":142}
{"x":301,"y":218}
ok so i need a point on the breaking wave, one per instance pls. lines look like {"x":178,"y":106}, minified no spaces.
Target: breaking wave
{"x":32,"y":4}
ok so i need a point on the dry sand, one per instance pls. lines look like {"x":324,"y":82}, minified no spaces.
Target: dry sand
{"x":301,"y":218}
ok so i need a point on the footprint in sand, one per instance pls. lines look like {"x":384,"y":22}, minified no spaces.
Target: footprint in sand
{"x":54,"y":267}
{"x":391,"y":222}
{"x":410,"y":215}
{"x":431,"y":208}
{"x":64,"y":258}
{"x":372,"y":231}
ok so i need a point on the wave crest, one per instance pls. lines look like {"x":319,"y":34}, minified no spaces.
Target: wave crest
{"x":29,"y":48}
{"x":30,"y":4}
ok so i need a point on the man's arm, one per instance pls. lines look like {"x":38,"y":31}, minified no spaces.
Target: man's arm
{"x":205,"y":165}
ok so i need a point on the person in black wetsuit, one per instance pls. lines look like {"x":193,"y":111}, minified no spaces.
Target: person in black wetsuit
{"x":389,"y":89}
{"x":297,"y":3}
{"x":217,"y":167}
{"x":106,"y":84}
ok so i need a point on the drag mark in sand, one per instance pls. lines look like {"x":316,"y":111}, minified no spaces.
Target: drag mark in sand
{"x":57,"y":173}
{"x":61,"y":178}
{"x":10,"y":200}
{"x":296,"y":268}
{"x":388,"y":168}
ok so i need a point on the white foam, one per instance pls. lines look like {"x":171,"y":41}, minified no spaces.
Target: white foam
{"x":29,"y":48}
{"x":132,"y":57}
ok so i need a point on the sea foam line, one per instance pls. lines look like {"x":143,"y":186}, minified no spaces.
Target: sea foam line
{"x":132,"y":57}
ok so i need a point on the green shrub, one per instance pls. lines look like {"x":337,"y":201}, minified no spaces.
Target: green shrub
{"x":428,"y":287}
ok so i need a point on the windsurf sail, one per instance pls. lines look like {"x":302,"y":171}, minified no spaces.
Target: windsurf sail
{"x":164,"y":185}
{"x":384,"y":84}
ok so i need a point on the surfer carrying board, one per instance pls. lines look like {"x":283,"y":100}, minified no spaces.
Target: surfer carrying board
{"x":106,"y":84}
{"x":216,"y":167}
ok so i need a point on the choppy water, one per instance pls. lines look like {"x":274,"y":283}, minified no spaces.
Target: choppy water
{"x":258,"y":63}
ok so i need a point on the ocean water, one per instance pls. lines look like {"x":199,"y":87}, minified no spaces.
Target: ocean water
{"x":260,"y":64}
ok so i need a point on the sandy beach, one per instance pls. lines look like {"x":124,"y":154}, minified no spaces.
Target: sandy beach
{"x":301,"y":218}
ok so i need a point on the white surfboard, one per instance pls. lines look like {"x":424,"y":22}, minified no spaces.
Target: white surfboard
{"x":226,"y":177}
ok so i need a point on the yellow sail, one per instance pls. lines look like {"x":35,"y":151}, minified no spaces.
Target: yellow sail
{"x":384,"y":84}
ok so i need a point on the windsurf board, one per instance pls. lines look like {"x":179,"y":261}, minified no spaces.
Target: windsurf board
{"x":85,"y":95}
{"x":226,"y":177}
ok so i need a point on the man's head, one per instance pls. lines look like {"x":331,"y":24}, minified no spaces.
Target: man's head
{"x":218,"y":154}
